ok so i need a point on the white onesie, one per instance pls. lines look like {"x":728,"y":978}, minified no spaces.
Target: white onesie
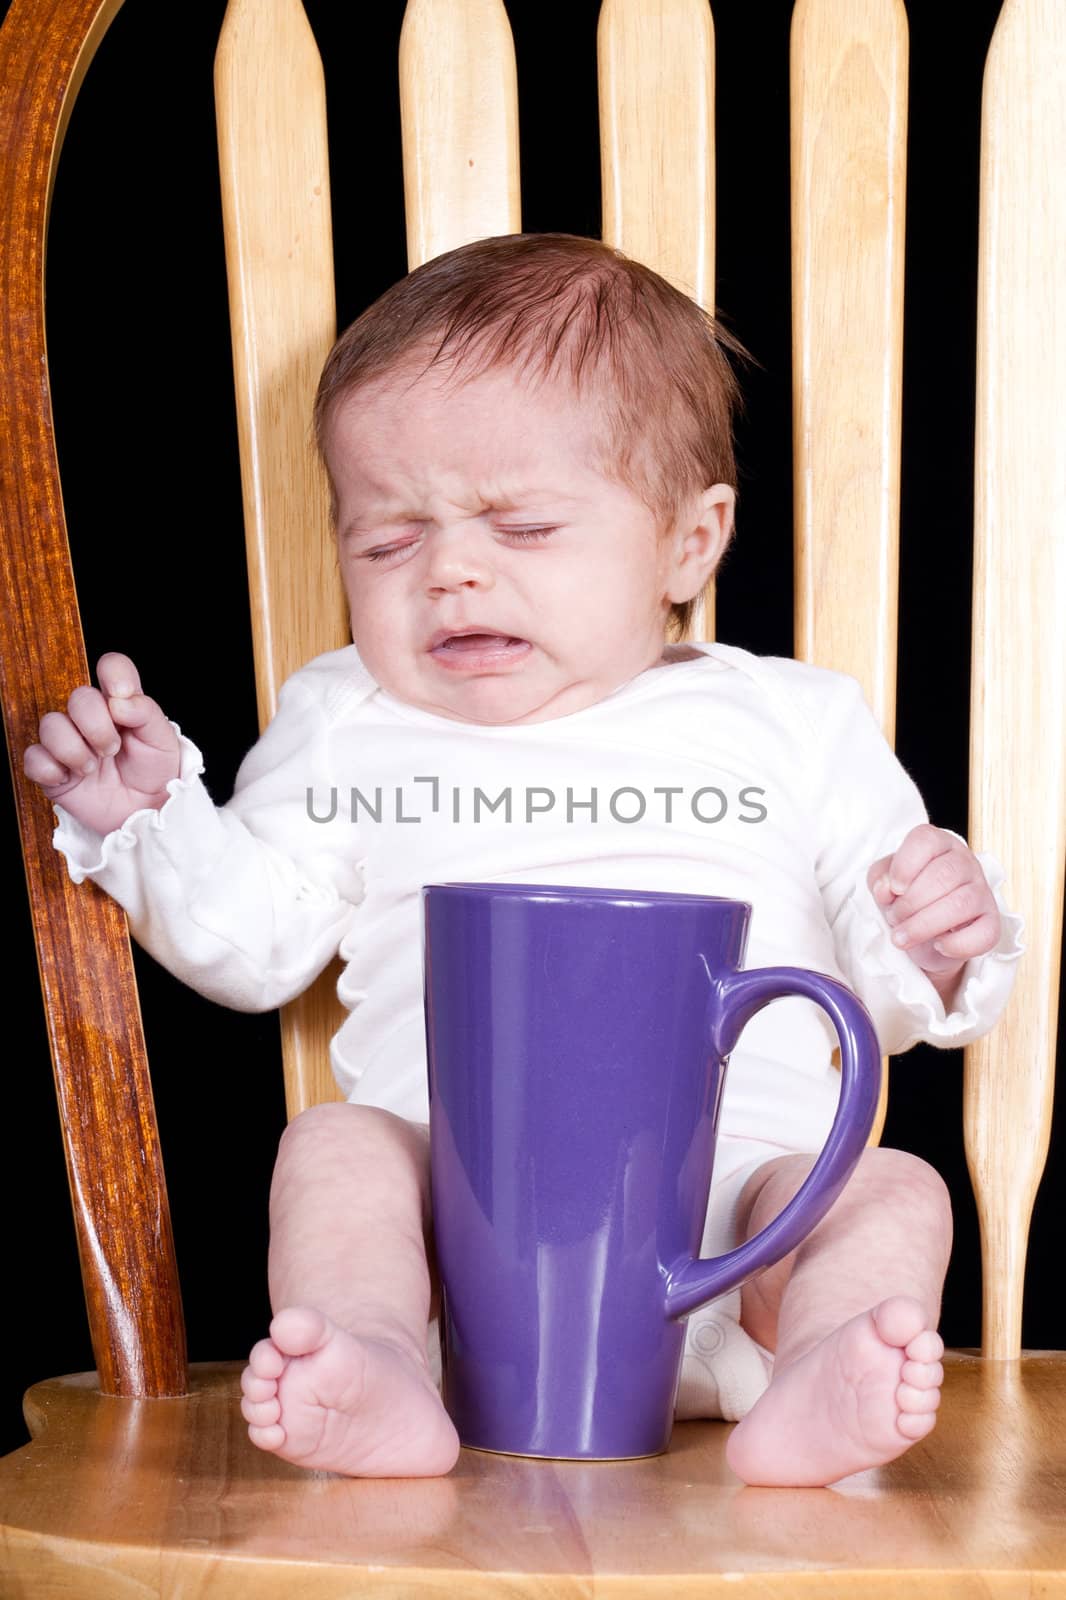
{"x":756,"y":778}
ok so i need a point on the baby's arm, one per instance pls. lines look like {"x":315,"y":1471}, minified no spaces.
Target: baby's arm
{"x":111,"y":753}
{"x":935,"y":897}
{"x":865,"y":808}
{"x":247,"y":902}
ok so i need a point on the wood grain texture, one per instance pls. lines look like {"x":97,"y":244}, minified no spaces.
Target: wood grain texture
{"x":274,"y":166}
{"x":657,"y":153}
{"x":1018,"y":717}
{"x":656,"y":90}
{"x":974,"y":1510}
{"x":107,"y":1114}
{"x":849,"y":145}
{"x":459,"y":116}
{"x":849,"y":131}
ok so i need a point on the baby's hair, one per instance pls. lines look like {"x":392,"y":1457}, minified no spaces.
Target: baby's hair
{"x":557,"y":304}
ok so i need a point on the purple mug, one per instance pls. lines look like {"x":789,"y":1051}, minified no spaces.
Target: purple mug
{"x":577,"y":1043}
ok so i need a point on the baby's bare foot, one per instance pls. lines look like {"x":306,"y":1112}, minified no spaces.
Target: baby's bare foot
{"x":324,"y":1398}
{"x":860,"y":1398}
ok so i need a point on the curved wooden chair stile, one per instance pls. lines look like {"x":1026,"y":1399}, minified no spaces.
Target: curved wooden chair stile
{"x":975,"y":1509}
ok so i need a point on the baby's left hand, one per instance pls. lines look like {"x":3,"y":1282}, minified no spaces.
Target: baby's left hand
{"x":936,"y":899}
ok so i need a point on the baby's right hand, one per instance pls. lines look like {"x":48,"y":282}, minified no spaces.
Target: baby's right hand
{"x":111,"y":753}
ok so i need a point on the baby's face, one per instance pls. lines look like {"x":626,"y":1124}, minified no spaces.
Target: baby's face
{"x":475,"y":511}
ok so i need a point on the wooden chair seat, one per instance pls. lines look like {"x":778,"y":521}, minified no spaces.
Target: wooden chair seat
{"x":140,"y":1479}
{"x":168,"y":1496}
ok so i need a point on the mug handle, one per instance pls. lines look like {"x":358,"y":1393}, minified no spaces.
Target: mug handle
{"x":691,"y":1283}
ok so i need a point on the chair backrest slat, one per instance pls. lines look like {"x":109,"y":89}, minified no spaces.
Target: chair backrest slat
{"x":849,"y":132}
{"x":848,"y":114}
{"x":107,"y":1114}
{"x":274,"y":162}
{"x":1018,"y":684}
{"x":656,"y":96}
{"x":459,"y":115}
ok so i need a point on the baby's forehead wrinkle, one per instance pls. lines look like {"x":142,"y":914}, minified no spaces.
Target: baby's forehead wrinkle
{"x":498,"y":493}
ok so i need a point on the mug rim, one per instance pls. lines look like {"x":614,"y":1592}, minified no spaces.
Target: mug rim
{"x":556,"y":892}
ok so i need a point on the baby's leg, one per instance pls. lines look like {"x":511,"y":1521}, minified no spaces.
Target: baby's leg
{"x":852,"y":1317}
{"x":342,"y":1382}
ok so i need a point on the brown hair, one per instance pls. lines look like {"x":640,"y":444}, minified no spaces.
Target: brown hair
{"x":652,"y":359}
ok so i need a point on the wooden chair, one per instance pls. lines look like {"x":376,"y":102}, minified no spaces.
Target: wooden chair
{"x":140,"y":1479}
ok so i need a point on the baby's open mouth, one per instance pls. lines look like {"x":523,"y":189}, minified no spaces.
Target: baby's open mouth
{"x":479,"y":641}
{"x":479,"y":651}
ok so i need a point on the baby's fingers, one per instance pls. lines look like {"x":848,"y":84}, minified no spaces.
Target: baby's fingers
{"x":117,"y":676}
{"x":140,"y":715}
{"x":925,"y":853}
{"x":81,"y":736}
{"x":132,"y":710}
{"x":877,"y":880}
{"x":88,"y":711}
{"x":936,"y":920}
{"x":42,"y":768}
{"x":977,"y":937}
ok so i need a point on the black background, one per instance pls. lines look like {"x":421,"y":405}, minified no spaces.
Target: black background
{"x":139,"y":341}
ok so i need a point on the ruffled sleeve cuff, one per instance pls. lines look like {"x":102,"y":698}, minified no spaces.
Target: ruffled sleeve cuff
{"x":905,"y":1006}
{"x":90,"y":854}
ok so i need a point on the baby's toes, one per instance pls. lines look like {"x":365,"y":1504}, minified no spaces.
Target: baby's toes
{"x":266,"y":1361}
{"x":261,"y":1413}
{"x":917,"y":1401}
{"x":926,"y":1346}
{"x":916,"y":1424}
{"x":255,"y":1387}
{"x":922,"y":1374}
{"x":271,"y":1437}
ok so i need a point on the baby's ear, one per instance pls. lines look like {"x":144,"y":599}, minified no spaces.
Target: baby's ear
{"x":701,"y":538}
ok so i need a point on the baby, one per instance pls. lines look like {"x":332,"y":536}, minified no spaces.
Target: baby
{"x":529,"y":442}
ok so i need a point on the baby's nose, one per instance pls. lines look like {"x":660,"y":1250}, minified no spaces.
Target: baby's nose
{"x":458,"y":557}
